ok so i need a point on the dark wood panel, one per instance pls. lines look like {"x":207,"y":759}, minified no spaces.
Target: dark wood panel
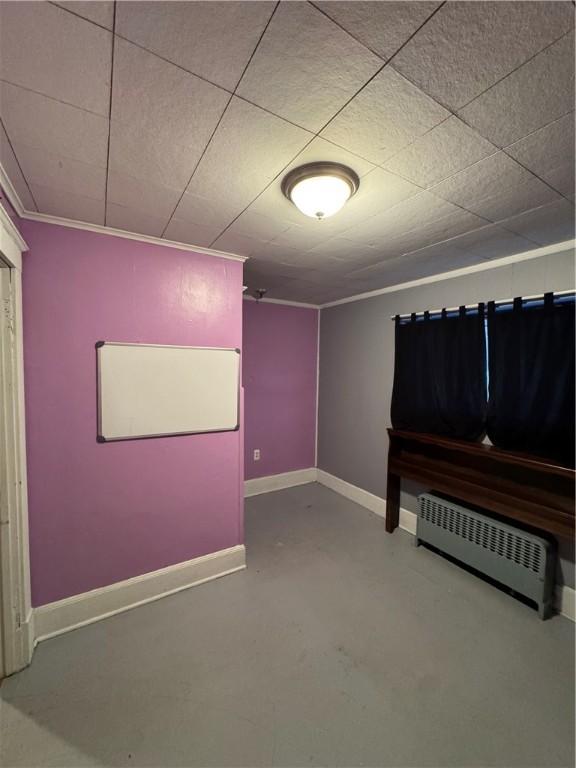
{"x":527,"y":489}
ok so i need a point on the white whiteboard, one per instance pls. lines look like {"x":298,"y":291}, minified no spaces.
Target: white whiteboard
{"x":150,"y":390}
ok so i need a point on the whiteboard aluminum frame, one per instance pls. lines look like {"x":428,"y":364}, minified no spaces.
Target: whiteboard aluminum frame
{"x":100,"y":437}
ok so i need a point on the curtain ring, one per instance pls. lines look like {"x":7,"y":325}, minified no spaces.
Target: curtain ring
{"x":413,"y":317}
{"x":481,"y":310}
{"x":491,"y":308}
{"x":548,"y":300}
{"x":462,"y":310}
{"x":427,"y":315}
{"x":517,"y":304}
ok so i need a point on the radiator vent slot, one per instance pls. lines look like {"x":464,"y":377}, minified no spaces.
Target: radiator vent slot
{"x":520,"y":560}
{"x":484,"y":533}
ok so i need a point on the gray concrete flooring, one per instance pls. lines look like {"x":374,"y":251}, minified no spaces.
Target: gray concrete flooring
{"x":338,"y":646}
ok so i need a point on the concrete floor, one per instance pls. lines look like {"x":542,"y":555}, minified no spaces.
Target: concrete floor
{"x":339,"y":646}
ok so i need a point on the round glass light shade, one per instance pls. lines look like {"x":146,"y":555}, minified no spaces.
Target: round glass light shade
{"x":320,"y":196}
{"x":319,"y":190}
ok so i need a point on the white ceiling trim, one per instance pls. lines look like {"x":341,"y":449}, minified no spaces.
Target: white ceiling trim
{"x":284,"y":301}
{"x":14,"y":199}
{"x":566,"y":245}
{"x":48,"y":219}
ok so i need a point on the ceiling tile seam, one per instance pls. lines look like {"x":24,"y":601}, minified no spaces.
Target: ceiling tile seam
{"x":361,"y":42}
{"x":540,"y":128}
{"x":82,"y":18}
{"x":110,"y":114}
{"x":260,"y":38}
{"x":231,"y":96}
{"x":502,"y":222}
{"x":206,"y":80}
{"x":167,"y":61}
{"x":333,"y":117}
{"x":18,"y":161}
{"x":347,"y":31}
{"x":533,"y":173}
{"x":512,"y":71}
{"x":492,"y":221}
{"x":52,"y":98}
{"x":441,"y":242}
{"x":172,"y":63}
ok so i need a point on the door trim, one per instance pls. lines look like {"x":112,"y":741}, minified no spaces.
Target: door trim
{"x":15,"y":602}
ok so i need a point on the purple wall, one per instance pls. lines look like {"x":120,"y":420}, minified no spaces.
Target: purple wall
{"x":100,"y":513}
{"x":279,"y":373}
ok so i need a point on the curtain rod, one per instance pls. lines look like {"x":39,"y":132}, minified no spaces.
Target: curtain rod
{"x":470,"y":306}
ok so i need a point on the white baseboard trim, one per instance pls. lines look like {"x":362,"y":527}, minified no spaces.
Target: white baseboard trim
{"x":565,"y":598}
{"x":278,"y":482}
{"x":566,"y":602}
{"x":366,"y":499}
{"x":76,"y":611}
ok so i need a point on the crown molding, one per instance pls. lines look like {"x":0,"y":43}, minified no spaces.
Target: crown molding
{"x":46,"y":218}
{"x":283,"y":301}
{"x":547,"y":250}
{"x":101,"y":230}
{"x":10,"y":190}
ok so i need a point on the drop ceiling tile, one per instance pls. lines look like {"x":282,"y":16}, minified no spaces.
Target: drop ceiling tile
{"x":302,"y":237}
{"x":490,"y":242}
{"x":341,"y":249}
{"x":53,"y":52}
{"x":68,"y":205}
{"x":306,"y":67}
{"x":45,"y":124}
{"x":140,"y":196}
{"x":188,"y":232}
{"x":381,"y":26}
{"x":273,"y":254}
{"x":532,"y":96}
{"x":207,"y":212}
{"x":162,"y":117}
{"x":549,"y":152}
{"x":413,"y":266}
{"x":61,"y":173}
{"x":495,"y":188}
{"x":468,"y":46}
{"x":10,"y":165}
{"x":440,"y":153}
{"x":248,"y":150}
{"x":99,"y":11}
{"x":387,"y":115}
{"x":546,"y":225}
{"x":233,"y":242}
{"x":130,"y":220}
{"x":255,"y":225}
{"x":212,"y":39}
{"x":421,"y":220}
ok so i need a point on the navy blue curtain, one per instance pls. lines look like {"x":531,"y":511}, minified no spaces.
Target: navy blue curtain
{"x":531,"y":366}
{"x":440,"y":374}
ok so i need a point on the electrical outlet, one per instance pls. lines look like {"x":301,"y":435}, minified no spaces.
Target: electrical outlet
{"x":256,"y":454}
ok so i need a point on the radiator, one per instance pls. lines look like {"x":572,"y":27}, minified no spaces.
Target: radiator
{"x":521,"y":561}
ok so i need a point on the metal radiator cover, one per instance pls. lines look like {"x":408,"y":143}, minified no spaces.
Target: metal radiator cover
{"x":522,"y":561}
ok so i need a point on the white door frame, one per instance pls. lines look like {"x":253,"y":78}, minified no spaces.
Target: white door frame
{"x":16,"y":638}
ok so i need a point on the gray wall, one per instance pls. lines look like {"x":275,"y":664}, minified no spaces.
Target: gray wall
{"x":357,"y":366}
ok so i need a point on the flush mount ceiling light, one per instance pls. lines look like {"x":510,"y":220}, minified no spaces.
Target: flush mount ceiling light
{"x":320,"y":190}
